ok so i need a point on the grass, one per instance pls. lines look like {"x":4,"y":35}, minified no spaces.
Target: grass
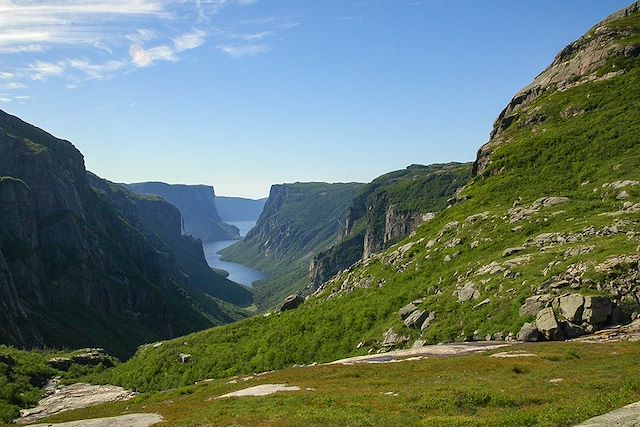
{"x":476,"y":390}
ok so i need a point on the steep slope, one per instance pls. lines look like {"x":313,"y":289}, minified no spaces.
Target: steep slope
{"x":554,"y":211}
{"x":197,"y":204}
{"x":233,"y":209}
{"x":75,"y":271}
{"x":297,"y":221}
{"x":387,"y":210}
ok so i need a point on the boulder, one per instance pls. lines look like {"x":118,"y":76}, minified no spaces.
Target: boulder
{"x":428,"y":320}
{"x":529,"y":333}
{"x":571,"y":307}
{"x":510,"y":251}
{"x":596,"y":310}
{"x":391,"y":338}
{"x":291,"y":302}
{"x":571,"y":330}
{"x":184,"y":358}
{"x":534,"y":304}
{"x":93,"y":358}
{"x":468,"y":292}
{"x":416,"y":319}
{"x":60,"y":363}
{"x":553,"y":201}
{"x":547,"y":324}
{"x":405,"y":311}
{"x":419,"y":344}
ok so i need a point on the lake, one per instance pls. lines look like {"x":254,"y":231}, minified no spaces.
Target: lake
{"x":237,"y":272}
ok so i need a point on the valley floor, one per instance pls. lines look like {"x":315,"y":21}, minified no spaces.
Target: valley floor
{"x":543,"y":384}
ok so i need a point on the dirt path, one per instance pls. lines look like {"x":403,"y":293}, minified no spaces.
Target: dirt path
{"x":130,"y":420}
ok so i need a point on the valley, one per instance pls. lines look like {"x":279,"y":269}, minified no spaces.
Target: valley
{"x":503,"y":291}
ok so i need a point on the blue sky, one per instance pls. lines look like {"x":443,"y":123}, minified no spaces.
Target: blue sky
{"x":242,"y":94}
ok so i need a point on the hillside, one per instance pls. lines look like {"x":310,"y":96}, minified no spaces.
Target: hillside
{"x":84,"y":268}
{"x":197,"y":204}
{"x":233,"y":209}
{"x":297,"y":221}
{"x":552,"y":211}
{"x":387,"y":210}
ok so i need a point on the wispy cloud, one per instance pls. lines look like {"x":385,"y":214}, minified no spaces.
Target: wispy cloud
{"x":82,"y":40}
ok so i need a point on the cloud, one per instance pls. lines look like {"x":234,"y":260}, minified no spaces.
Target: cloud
{"x":40,"y":70}
{"x":13,"y":86}
{"x":96,"y":71}
{"x":189,"y":41}
{"x":239,"y":51}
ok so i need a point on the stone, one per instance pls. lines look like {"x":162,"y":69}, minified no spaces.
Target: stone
{"x":510,"y":251}
{"x":534,"y":304}
{"x":623,"y":195}
{"x":184,"y":358}
{"x":93,"y":357}
{"x":60,"y":363}
{"x":405,"y":311}
{"x":481,"y":303}
{"x":418,"y":344}
{"x":571,"y":307}
{"x":391,"y":338}
{"x":428,"y":321}
{"x":554,"y":201}
{"x":416,"y":319}
{"x":596,"y":310}
{"x":571,"y":330}
{"x":529,"y":333}
{"x":291,"y":302}
{"x":547,"y":324}
{"x":468,"y":292}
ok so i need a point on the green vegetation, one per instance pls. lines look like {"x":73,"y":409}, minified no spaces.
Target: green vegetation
{"x":24,"y":373}
{"x":573,"y":156}
{"x":563,"y":384}
{"x":297,"y":221}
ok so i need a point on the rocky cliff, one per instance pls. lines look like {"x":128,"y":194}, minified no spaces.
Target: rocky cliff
{"x":298,"y":220}
{"x":601,"y":54}
{"x":387,"y":210}
{"x":79,"y":268}
{"x":197,"y":204}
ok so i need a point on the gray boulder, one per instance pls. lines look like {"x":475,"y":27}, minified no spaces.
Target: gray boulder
{"x":510,"y":251}
{"x":534,"y":304}
{"x":60,"y":363}
{"x":405,"y":311}
{"x":291,"y":302}
{"x":548,"y":324}
{"x":529,"y":333}
{"x":427,"y":322}
{"x":468,"y":292}
{"x":416,"y":319}
{"x":571,"y":330}
{"x":391,"y":338}
{"x":184,"y":358}
{"x":571,"y":307}
{"x":597,"y":310}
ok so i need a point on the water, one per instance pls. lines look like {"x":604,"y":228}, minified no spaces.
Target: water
{"x":237,"y":272}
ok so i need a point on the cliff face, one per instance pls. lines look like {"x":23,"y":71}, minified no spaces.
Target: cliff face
{"x":385,"y":211}
{"x":197,"y":204}
{"x":297,"y":221}
{"x":79,"y":268}
{"x":579,"y":63}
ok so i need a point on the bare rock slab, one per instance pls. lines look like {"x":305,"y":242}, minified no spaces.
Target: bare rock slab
{"x":260,"y":390}
{"x":628,"y":416}
{"x":130,"y":420}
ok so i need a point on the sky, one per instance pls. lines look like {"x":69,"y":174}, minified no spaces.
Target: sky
{"x":243,"y":94}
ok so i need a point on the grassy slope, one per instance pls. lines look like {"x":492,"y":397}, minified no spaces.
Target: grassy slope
{"x":312,"y":218}
{"x":553,"y":159}
{"x":474,"y":390}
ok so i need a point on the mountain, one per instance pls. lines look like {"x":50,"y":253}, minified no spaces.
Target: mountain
{"x":297,"y":221}
{"x":197,"y":204}
{"x":387,"y":210}
{"x":232,"y":209}
{"x":83,"y":267}
{"x":543,"y":241}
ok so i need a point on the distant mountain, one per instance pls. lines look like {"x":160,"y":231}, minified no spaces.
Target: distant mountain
{"x":197,"y":204}
{"x":387,"y":210}
{"x":233,"y":209}
{"x":297,"y":221}
{"x":84,"y":262}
